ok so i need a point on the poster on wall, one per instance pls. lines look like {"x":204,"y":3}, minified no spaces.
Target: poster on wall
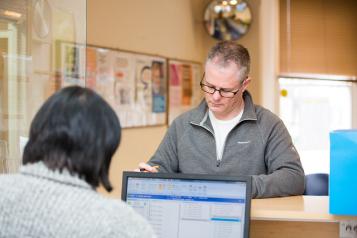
{"x":184,"y":87}
{"x":134,"y":84}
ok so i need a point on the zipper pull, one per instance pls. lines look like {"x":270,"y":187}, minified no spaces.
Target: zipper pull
{"x":218,"y":163}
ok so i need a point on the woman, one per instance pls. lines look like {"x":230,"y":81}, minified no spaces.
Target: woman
{"x":72,"y":140}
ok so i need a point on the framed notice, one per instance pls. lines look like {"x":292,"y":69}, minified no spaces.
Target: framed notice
{"x":184,"y":87}
{"x":134,"y":84}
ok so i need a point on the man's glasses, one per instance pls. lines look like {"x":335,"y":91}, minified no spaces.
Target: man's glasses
{"x":211,"y":90}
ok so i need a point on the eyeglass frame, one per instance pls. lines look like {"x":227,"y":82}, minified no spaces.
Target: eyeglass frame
{"x":218,"y":90}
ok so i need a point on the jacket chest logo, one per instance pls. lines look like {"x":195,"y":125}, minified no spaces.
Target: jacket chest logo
{"x":243,"y":142}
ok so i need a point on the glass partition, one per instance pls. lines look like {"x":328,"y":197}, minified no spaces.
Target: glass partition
{"x":30,"y":32}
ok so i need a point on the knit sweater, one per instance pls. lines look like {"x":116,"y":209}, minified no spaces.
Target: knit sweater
{"x":38,"y":202}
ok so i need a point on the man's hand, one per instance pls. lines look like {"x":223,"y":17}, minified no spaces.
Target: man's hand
{"x":143,"y":167}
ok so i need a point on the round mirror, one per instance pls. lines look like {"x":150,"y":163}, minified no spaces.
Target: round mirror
{"x":227,"y":19}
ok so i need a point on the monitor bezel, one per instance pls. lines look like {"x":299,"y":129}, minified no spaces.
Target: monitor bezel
{"x":206,"y":177}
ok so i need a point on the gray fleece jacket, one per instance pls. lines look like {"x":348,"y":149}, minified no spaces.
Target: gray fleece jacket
{"x":38,"y":202}
{"x":259,"y":145}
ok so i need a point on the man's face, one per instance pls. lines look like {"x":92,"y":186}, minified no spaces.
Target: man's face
{"x":226,"y":78}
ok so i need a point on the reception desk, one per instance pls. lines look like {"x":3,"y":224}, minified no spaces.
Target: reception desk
{"x":297,"y":216}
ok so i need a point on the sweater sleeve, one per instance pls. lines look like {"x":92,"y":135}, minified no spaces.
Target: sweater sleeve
{"x":285,"y":175}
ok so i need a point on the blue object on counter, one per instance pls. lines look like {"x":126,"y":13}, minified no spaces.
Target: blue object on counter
{"x":343,"y":172}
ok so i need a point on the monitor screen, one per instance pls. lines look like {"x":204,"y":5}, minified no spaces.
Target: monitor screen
{"x":184,"y":206}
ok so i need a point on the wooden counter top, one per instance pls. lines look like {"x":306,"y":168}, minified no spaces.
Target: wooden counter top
{"x":295,"y":208}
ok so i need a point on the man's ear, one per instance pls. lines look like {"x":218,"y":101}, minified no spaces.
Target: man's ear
{"x":245,"y":84}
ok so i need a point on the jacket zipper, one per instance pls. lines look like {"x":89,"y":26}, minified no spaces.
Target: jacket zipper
{"x":218,"y":162}
{"x":224,"y":146}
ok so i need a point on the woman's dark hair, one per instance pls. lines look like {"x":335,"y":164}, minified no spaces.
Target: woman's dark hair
{"x":75,"y":129}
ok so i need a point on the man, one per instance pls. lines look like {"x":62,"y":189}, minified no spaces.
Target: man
{"x":227,"y":134}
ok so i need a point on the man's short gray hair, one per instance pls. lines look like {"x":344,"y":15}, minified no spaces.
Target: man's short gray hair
{"x":226,"y":52}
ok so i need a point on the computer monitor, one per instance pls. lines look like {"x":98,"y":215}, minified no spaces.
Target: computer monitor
{"x":187,"y":205}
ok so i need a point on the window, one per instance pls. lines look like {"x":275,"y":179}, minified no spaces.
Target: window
{"x":310,"y":109}
{"x":318,"y":70}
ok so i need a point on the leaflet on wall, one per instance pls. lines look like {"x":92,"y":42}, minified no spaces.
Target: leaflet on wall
{"x":158,"y":86}
{"x":91,"y":68}
{"x":184,"y":87}
{"x":72,"y":63}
